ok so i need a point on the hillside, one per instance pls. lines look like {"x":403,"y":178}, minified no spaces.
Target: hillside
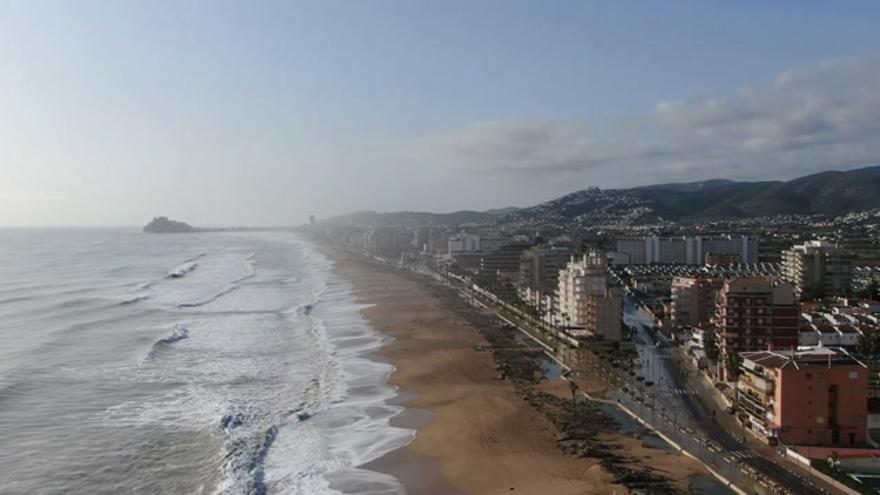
{"x":163,"y":225}
{"x":829,"y":193}
{"x":417,"y":218}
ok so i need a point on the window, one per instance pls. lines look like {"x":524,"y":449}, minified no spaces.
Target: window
{"x":809,"y":376}
{"x":853,"y":375}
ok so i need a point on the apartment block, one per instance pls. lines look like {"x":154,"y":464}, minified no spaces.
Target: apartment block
{"x":463,"y":243}
{"x":688,"y":250}
{"x":815,"y":396}
{"x":756,"y":314}
{"x":540,"y":265}
{"x":694,"y":300}
{"x":817,"y":269}
{"x":586,"y":302}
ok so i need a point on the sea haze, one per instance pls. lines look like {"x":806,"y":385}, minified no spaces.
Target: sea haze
{"x":198,"y":363}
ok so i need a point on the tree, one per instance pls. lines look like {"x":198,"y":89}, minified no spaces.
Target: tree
{"x":869,"y":344}
{"x":710,"y":344}
{"x":732,"y":363}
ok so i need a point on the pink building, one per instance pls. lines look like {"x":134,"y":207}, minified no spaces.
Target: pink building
{"x":817,"y":396}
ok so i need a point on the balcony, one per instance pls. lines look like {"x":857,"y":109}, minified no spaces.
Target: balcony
{"x":744,"y":394}
{"x":751,"y":407}
{"x":759,"y":385}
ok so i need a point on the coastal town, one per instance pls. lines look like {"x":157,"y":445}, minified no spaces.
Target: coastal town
{"x":752,"y":346}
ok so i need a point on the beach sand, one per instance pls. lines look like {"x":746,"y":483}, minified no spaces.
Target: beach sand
{"x":475,"y":434}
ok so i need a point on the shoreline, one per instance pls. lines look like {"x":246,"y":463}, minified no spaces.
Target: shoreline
{"x":475,"y":432}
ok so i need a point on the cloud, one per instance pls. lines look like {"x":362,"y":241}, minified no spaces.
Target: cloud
{"x":22,"y":196}
{"x":818,"y":117}
{"x":519,"y":146}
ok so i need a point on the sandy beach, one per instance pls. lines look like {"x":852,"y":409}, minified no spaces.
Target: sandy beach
{"x":475,"y":433}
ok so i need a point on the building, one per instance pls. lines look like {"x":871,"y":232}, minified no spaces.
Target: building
{"x":466,"y":243}
{"x":490,"y":242}
{"x":632,"y":252}
{"x":834,"y":330}
{"x":503,"y":262}
{"x":539,"y":267}
{"x":815,"y":396}
{"x":467,"y":262}
{"x":756,"y":314}
{"x":688,"y":250}
{"x":586,"y":302}
{"x":723,"y":259}
{"x":693,"y":300}
{"x":386,"y":241}
{"x":817,"y":269}
{"x":709,"y":248}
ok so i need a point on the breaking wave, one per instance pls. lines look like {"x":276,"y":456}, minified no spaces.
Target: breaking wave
{"x":183,"y":269}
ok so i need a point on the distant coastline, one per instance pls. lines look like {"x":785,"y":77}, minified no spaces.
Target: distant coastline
{"x":165,"y":225}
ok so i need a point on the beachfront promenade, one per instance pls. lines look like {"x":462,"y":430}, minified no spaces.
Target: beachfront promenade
{"x":668,"y":405}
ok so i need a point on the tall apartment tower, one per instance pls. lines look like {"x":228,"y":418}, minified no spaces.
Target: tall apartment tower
{"x":694,"y":300}
{"x":540,"y":265}
{"x":757,"y":314}
{"x":589,"y":305}
{"x":817,"y":269}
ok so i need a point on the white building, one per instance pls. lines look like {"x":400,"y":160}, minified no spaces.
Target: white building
{"x":586,"y":303}
{"x":687,"y":250}
{"x":817,"y":269}
{"x":459,"y":243}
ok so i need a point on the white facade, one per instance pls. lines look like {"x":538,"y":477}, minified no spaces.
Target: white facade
{"x":688,"y":250}
{"x":817,"y":269}
{"x":585,"y":302}
{"x":459,"y":243}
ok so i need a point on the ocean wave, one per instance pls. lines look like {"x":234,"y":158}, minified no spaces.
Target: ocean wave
{"x":134,"y":299}
{"x":183,"y":269}
{"x":180,"y":332}
{"x":16,"y":299}
{"x":209,"y":299}
{"x":249,"y":442}
{"x":233,"y":285}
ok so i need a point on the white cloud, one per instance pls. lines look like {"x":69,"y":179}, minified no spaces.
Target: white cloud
{"x":821,"y":117}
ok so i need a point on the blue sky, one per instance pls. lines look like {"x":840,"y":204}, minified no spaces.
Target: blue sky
{"x":264,"y":112}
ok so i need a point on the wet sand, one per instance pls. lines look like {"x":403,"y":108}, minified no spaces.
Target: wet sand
{"x":475,"y":435}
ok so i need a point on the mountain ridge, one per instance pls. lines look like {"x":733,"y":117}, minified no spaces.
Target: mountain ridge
{"x":830,"y":193}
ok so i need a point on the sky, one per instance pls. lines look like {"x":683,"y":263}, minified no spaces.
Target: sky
{"x":262,"y":113}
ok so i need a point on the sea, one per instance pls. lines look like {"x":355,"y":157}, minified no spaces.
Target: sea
{"x":209,"y":363}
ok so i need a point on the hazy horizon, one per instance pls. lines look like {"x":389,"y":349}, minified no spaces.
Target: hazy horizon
{"x":224,"y":114}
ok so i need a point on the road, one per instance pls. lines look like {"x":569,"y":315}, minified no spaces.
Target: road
{"x":679,"y":403}
{"x":670,"y":389}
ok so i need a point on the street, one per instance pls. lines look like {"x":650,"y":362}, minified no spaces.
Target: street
{"x":684,"y":404}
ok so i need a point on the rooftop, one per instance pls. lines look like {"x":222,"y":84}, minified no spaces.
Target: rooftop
{"x":801,"y":358}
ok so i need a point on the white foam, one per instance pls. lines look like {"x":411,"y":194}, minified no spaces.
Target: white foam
{"x":292,"y":393}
